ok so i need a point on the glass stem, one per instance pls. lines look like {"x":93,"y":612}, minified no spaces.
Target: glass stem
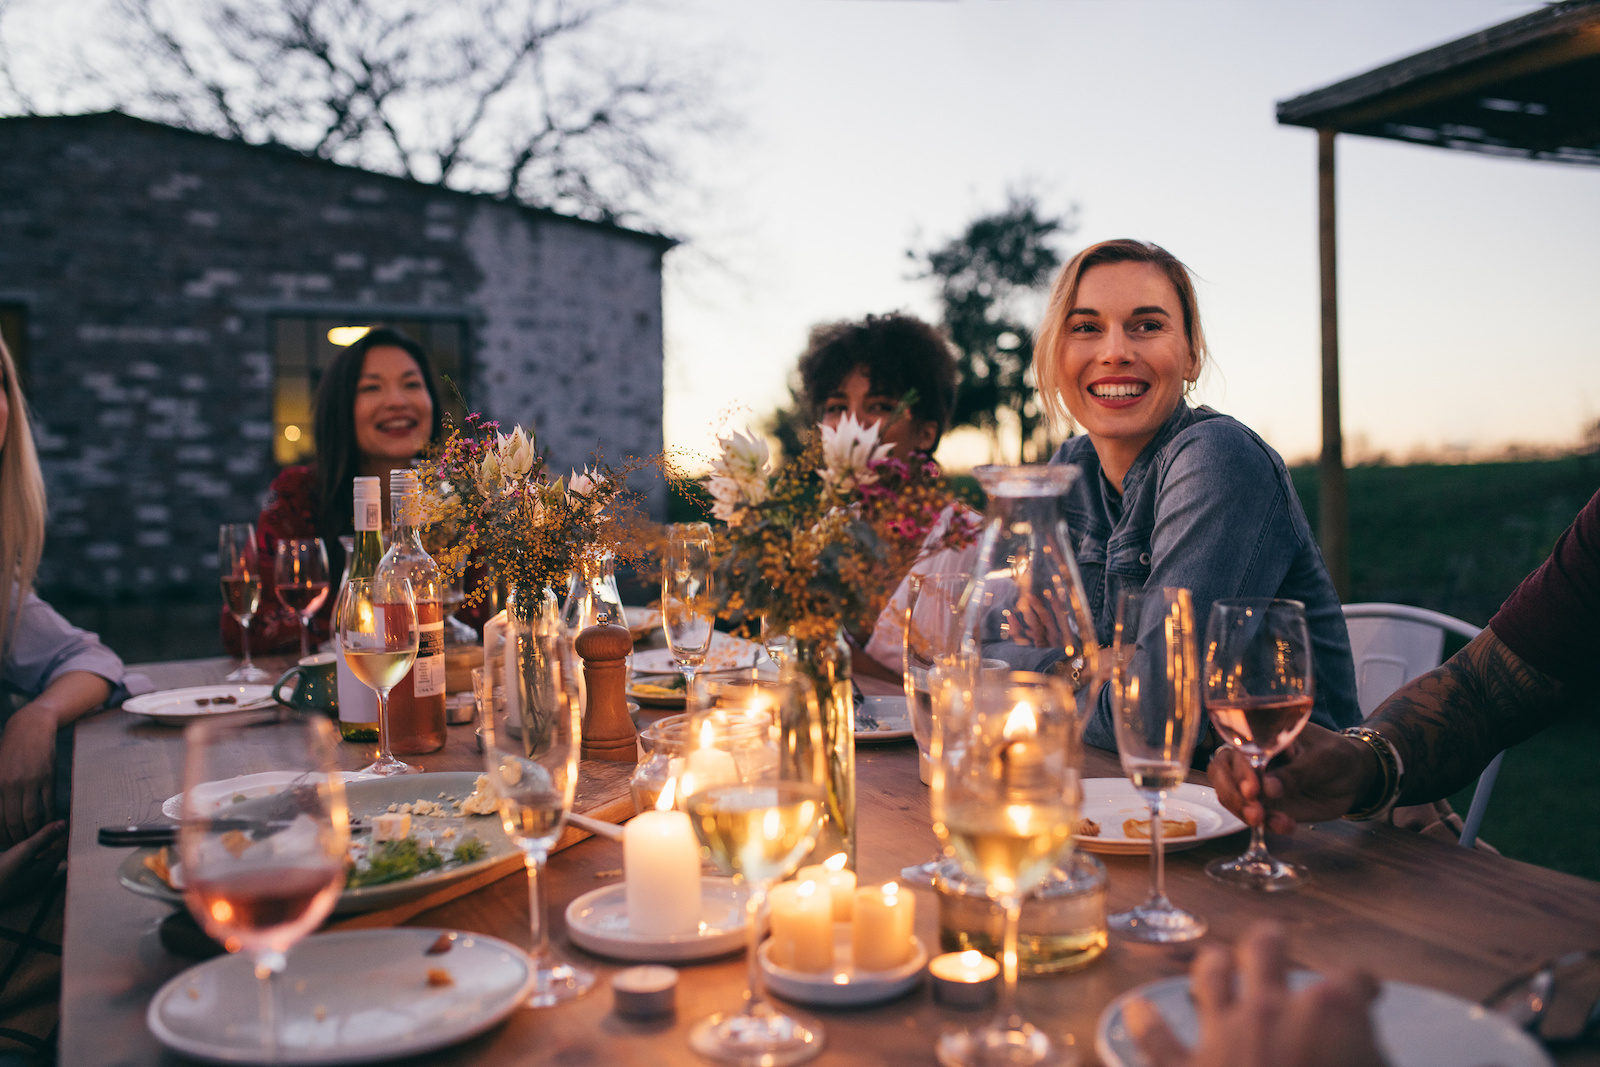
{"x":268,"y":966}
{"x":755,"y":1001}
{"x":244,"y":626}
{"x":688,"y":689}
{"x":384,"y":755}
{"x":539,"y":945}
{"x":1012,"y":906}
{"x":305,"y":637}
{"x":1258,"y":834}
{"x":1158,"y":856}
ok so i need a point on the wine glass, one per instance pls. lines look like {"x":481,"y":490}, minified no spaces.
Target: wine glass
{"x":1155,"y":701}
{"x":241,"y":588}
{"x":377,"y":621}
{"x":530,"y":750}
{"x":1258,"y":691}
{"x":686,"y":613}
{"x":757,"y":825}
{"x":268,"y":873}
{"x":1006,"y":796}
{"x":300,"y":578}
{"x":933,"y":629}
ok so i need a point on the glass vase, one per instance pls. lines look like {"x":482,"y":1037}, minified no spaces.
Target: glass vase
{"x":828,"y":733}
{"x":530,"y":702}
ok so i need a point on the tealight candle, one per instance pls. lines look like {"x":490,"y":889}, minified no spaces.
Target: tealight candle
{"x":661,"y":861}
{"x":881,"y":936}
{"x":964,"y":979}
{"x":640,"y":992}
{"x":841,"y":884}
{"x":802,"y":927}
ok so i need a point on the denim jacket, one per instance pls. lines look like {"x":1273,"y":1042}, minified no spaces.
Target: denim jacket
{"x":1206,"y":506}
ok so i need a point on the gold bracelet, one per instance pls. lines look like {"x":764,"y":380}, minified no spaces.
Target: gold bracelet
{"x":1393,"y":771}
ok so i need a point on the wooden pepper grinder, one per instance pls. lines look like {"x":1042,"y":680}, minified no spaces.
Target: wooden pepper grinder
{"x":608,"y":733}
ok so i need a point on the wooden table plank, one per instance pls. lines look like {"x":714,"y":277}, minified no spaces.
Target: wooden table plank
{"x":1407,"y":908}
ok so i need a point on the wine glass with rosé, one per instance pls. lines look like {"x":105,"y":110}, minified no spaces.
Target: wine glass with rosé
{"x":300,"y":579}
{"x":241,"y":588}
{"x":261,"y":874}
{"x":1257,"y":688}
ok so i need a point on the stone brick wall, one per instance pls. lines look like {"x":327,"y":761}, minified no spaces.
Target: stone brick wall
{"x":150,"y":262}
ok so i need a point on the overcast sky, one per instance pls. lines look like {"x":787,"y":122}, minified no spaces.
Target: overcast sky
{"x":1467,"y":283}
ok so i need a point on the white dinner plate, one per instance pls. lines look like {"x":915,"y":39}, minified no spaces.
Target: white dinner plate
{"x":656,"y":700}
{"x":1416,"y":1027}
{"x":598,"y":921}
{"x":641,"y":621}
{"x":727,"y":653}
{"x":214,"y":796}
{"x":890,"y":714}
{"x":367,"y":798}
{"x":1109,"y":801}
{"x":357,"y":996}
{"x":843,"y":986}
{"x":179,"y":707}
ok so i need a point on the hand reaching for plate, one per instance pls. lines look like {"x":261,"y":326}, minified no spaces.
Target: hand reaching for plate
{"x":1254,"y":1021}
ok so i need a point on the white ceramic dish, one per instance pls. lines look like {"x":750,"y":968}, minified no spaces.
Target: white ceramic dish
{"x":842,"y":985}
{"x":367,"y":798}
{"x":359,"y":996}
{"x":1416,"y":1027}
{"x":1109,"y":801}
{"x":177,"y":707}
{"x":727,"y":653}
{"x":656,"y":700}
{"x":894,"y":721}
{"x":214,"y":796}
{"x":641,"y":621}
{"x":598,"y":921}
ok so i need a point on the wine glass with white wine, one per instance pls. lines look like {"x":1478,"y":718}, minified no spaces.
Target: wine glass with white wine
{"x":240,"y":565}
{"x":377,"y":621}
{"x":686,"y":612}
{"x":1006,"y":796}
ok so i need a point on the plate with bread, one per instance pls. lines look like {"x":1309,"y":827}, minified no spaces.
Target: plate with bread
{"x":1116,"y":821}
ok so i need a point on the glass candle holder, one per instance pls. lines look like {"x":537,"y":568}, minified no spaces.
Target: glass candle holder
{"x":1063,"y":923}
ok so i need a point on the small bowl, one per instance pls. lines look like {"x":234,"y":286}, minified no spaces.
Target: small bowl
{"x":840,"y":986}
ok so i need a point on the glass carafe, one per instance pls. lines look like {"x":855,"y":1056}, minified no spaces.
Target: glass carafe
{"x":592,"y":597}
{"x":1028,"y":605}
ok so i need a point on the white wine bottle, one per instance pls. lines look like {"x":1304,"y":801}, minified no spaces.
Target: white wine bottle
{"x":358,"y":705}
{"x":416,"y":704}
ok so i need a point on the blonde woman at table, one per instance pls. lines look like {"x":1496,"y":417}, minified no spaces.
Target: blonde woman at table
{"x":377,"y":409}
{"x":1171,"y":494}
{"x":60,"y":672}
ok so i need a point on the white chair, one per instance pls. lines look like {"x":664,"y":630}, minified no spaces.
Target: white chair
{"x":1391,"y":645}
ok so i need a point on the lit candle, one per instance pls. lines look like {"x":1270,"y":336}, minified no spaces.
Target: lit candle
{"x":840,"y":883}
{"x":661,"y":859}
{"x":708,"y":765}
{"x":881,"y":937}
{"x":964,"y":979}
{"x":802,"y":927}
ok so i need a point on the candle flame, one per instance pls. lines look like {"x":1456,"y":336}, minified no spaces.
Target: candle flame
{"x":668,"y":797}
{"x":1021,"y":721}
{"x":890,"y":890}
{"x":708,"y":735}
{"x":836,"y":861}
{"x":806,"y":889}
{"x":971,"y":958}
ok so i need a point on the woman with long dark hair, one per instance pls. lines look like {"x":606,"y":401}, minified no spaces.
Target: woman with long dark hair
{"x":377,"y":409}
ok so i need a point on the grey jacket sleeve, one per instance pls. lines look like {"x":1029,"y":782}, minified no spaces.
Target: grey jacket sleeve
{"x":45,"y":646}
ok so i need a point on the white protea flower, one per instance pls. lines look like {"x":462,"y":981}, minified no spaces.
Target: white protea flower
{"x":848,"y":452}
{"x":586,"y":483}
{"x":738,"y":476}
{"x":489,"y":473}
{"x":517,"y":454}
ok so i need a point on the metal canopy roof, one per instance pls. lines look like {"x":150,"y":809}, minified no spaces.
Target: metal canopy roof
{"x":1528,"y":88}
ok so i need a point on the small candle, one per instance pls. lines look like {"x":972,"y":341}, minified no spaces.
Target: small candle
{"x":640,"y":992}
{"x":802,"y":927}
{"x":964,"y":979}
{"x":661,"y":861}
{"x":881,"y":937}
{"x":841,"y":884}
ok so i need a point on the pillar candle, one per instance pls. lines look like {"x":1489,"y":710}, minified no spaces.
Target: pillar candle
{"x":661,"y":861}
{"x":881,"y":936}
{"x":802,"y":926}
{"x":841,"y":884}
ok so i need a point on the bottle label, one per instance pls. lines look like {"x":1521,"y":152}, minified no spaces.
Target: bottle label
{"x":427,"y":675}
{"x":369,"y":515}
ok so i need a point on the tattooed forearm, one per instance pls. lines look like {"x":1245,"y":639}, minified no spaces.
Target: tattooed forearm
{"x":1449,"y":723}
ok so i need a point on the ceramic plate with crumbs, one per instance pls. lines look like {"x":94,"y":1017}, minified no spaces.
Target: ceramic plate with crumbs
{"x":180,"y":707}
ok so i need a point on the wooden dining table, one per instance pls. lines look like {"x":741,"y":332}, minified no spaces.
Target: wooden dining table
{"x":1404,"y":907}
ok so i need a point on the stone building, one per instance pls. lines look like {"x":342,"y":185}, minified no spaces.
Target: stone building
{"x":170,"y":297}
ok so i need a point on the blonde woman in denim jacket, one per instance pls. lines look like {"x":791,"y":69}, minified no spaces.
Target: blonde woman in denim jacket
{"x":1171,"y":495}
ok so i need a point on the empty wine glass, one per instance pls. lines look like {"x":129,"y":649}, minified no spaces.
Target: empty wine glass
{"x":530,"y":749}
{"x":262,"y":878}
{"x":300,"y":578}
{"x":377,"y":621}
{"x":757,"y":818}
{"x":1155,"y":700}
{"x":241,"y":588}
{"x":1257,"y":688}
{"x":686,"y":611}
{"x":1006,"y":796}
{"x":933,"y":629}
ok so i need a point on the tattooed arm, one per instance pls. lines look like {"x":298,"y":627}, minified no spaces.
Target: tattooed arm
{"x":1447,"y":725}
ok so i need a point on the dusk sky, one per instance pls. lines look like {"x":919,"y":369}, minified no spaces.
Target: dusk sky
{"x":1467,"y":283}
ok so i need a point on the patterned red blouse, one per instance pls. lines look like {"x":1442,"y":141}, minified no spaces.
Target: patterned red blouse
{"x":291,"y":511}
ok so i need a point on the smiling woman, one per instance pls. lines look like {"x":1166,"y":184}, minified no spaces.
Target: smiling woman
{"x":377,"y":408}
{"x":1172,"y":495}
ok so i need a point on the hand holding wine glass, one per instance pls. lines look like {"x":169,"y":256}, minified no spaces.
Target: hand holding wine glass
{"x":1257,"y":687}
{"x":1155,"y":700}
{"x":241,"y":588}
{"x":686,"y":613}
{"x":300,"y":579}
{"x":377,"y":621}
{"x":261,"y":889}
